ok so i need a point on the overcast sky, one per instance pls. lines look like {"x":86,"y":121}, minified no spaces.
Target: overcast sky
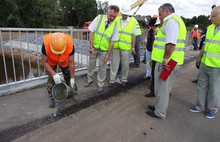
{"x":185,"y":8}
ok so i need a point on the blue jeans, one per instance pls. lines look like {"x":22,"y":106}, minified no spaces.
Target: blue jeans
{"x":137,"y":50}
{"x":195,"y":44}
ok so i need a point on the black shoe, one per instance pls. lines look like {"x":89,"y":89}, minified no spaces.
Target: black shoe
{"x":151,"y":108}
{"x":134,"y":65}
{"x":151,"y":94}
{"x":147,"y":77}
{"x":88,"y":84}
{"x":195,"y":81}
{"x":152,"y":114}
{"x":52,"y":103}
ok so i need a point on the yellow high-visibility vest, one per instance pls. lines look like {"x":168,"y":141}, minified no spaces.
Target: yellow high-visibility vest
{"x":159,"y":43}
{"x":125,"y":35}
{"x":211,"y":55}
{"x":103,"y":36}
{"x":138,"y":29}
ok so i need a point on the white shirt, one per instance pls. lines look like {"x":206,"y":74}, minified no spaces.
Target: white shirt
{"x":125,"y":22}
{"x":216,"y":29}
{"x":93,"y":25}
{"x":171,"y":30}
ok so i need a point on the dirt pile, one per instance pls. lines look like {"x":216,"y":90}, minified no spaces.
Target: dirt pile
{"x":18,"y":55}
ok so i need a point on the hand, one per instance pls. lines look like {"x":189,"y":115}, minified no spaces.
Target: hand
{"x":72,"y":82}
{"x":198,"y":63}
{"x":107,"y":58}
{"x":57,"y":79}
{"x":91,"y":50}
{"x":164,"y":64}
{"x":133,"y":51}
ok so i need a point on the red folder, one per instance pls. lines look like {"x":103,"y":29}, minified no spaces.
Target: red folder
{"x":164,"y":74}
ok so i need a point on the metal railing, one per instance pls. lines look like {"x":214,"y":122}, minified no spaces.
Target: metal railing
{"x":21,"y":50}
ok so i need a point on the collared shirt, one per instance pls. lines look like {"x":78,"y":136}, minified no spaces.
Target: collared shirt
{"x":171,"y":30}
{"x":216,"y":29}
{"x":125,"y":22}
{"x":93,"y":25}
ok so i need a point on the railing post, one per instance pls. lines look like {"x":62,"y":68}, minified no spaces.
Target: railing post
{"x":70,"y":30}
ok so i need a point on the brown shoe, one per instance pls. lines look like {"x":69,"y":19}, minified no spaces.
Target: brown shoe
{"x":88,"y":84}
{"x":111,"y":85}
{"x":124,"y":84}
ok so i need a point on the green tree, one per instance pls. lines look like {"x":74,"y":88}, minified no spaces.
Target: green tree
{"x":102,"y":7}
{"x":77,"y":12}
{"x":13,"y":16}
{"x":31,"y":13}
{"x":4,"y":13}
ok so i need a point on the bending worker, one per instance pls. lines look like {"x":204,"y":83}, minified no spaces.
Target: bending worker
{"x":58,"y":50}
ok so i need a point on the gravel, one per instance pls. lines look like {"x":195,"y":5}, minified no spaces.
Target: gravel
{"x":81,"y":46}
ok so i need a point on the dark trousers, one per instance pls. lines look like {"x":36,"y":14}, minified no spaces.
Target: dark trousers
{"x":152,"y":76}
{"x":137,"y":50}
{"x":195,"y":44}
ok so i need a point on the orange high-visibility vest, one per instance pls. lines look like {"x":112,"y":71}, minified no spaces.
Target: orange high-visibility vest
{"x":196,"y":33}
{"x":56,"y":59}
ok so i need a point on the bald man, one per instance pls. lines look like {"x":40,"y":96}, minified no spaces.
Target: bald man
{"x":208,"y":98}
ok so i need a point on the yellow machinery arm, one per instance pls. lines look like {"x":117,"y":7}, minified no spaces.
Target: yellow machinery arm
{"x":138,"y":4}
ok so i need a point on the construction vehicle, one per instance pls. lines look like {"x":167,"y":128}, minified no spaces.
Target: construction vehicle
{"x":86,"y":25}
{"x":138,"y":4}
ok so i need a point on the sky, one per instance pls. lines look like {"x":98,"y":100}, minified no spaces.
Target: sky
{"x":185,"y":8}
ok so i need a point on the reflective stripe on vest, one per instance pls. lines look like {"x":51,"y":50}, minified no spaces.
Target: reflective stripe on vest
{"x":55,"y":59}
{"x":103,"y":36}
{"x":211,"y":55}
{"x":159,"y":43}
{"x":138,"y":29}
{"x":176,"y":49}
{"x":125,"y":35}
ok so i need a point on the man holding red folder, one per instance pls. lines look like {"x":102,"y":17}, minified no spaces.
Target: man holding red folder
{"x":168,"y":52}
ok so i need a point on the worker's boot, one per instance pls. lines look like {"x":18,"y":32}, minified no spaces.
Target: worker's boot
{"x":75,"y":88}
{"x":52,"y":103}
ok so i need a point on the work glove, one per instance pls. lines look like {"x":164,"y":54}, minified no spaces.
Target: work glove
{"x":72,"y":82}
{"x":73,"y":85}
{"x":57,"y":79}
